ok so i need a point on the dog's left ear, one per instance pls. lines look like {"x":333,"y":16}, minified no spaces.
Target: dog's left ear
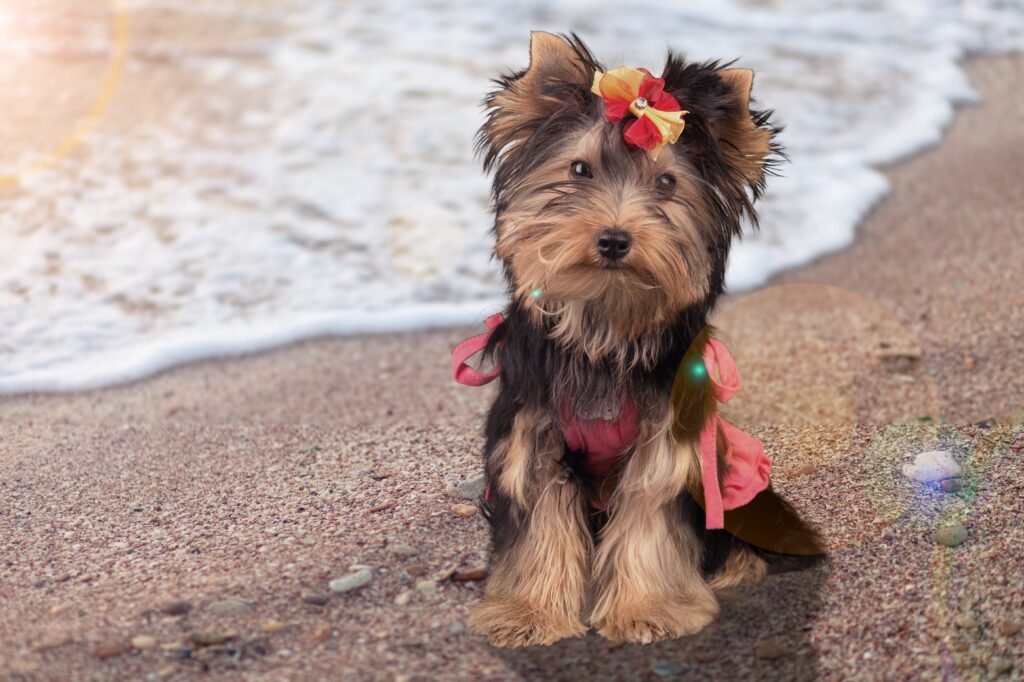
{"x":558,"y":79}
{"x":746,"y":141}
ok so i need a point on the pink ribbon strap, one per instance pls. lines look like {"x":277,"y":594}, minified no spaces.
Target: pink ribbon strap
{"x":749,"y":468}
{"x":463,"y":373}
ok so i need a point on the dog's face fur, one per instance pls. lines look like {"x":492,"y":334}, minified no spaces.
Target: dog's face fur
{"x":564,"y":175}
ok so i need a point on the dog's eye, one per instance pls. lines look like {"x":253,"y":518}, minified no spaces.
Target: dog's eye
{"x":579,"y":169}
{"x":665,"y":183}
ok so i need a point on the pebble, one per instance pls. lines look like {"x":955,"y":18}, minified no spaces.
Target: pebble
{"x":427,"y":587}
{"x":469,"y":575}
{"x":228,"y":607}
{"x":403,"y":598}
{"x":351,"y":581}
{"x":51,"y":641}
{"x":950,"y":535}
{"x":322,"y":633}
{"x":998,"y":666}
{"x":456,"y":628}
{"x":311,"y":597}
{"x":175,"y":607}
{"x":805,"y":470}
{"x":210,"y":637}
{"x":770,"y":649}
{"x":143,"y":642}
{"x":666,"y":669}
{"x":932,"y":466}
{"x":468,"y":489}
{"x":1008,"y":628}
{"x":965,"y":622}
{"x":704,"y":657}
{"x":951,"y":485}
{"x":464,"y":510}
{"x":111,"y":648}
{"x":403,"y":550}
{"x":270,"y":625}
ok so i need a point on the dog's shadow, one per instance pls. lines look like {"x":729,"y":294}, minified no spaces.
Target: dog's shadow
{"x":762,"y":632}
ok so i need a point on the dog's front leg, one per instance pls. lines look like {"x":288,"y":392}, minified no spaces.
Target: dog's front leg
{"x":542,"y":545}
{"x":647,"y":566}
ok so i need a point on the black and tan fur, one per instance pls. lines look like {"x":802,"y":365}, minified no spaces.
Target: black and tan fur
{"x":645,"y":568}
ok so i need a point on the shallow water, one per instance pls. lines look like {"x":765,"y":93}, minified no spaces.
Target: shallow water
{"x":262,"y":169}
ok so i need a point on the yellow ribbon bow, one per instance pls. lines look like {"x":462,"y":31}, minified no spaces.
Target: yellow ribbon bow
{"x":659,"y":120}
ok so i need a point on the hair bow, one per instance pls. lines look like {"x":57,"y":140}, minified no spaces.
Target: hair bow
{"x":659,"y":120}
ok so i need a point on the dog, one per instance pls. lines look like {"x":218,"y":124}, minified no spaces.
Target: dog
{"x":616,"y":495}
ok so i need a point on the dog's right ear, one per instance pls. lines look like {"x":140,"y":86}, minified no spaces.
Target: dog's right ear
{"x":558,"y":79}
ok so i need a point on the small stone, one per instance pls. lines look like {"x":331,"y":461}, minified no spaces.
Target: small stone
{"x":951,"y":485}
{"x":111,"y":648}
{"x":228,"y":607}
{"x":316,"y":598}
{"x":403,"y":550}
{"x":1008,"y":628}
{"x":322,"y":633}
{"x":351,"y":581}
{"x":468,"y":489}
{"x":469,"y":575}
{"x":210,"y":637}
{"x":403,"y":598}
{"x":666,"y":669}
{"x":805,"y":470}
{"x":932,"y":466}
{"x":770,"y":649}
{"x":965,"y":622}
{"x":175,"y":607}
{"x":456,"y":628}
{"x":998,"y":666}
{"x":143,"y":642}
{"x":51,"y":641}
{"x":704,"y":657}
{"x":464,"y":510}
{"x":270,"y":625}
{"x":950,"y":535}
{"x":415,"y":570}
{"x":426,"y":587}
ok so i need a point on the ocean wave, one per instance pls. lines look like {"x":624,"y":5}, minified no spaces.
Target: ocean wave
{"x":310,"y":171}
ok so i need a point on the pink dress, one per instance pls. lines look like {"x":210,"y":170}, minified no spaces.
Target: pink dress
{"x":604,"y":443}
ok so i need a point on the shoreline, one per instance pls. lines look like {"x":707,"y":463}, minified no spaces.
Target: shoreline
{"x":179,"y":350}
{"x":818,"y":270}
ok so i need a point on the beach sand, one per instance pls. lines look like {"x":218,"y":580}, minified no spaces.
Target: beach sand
{"x":238,"y":485}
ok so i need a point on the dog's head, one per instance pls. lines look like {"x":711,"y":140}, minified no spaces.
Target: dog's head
{"x":596,"y":236}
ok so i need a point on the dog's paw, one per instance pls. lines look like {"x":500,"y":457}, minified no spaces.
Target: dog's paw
{"x":513,"y":624}
{"x":656,"y":620}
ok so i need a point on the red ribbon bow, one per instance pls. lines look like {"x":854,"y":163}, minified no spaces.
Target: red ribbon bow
{"x":659,"y":119}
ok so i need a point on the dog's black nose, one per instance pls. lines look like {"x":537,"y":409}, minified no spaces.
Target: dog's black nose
{"x":613,"y":244}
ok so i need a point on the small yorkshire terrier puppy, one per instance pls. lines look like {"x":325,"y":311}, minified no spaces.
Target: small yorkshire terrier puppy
{"x":608,"y":470}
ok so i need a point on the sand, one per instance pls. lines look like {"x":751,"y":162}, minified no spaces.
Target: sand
{"x":238,"y":485}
